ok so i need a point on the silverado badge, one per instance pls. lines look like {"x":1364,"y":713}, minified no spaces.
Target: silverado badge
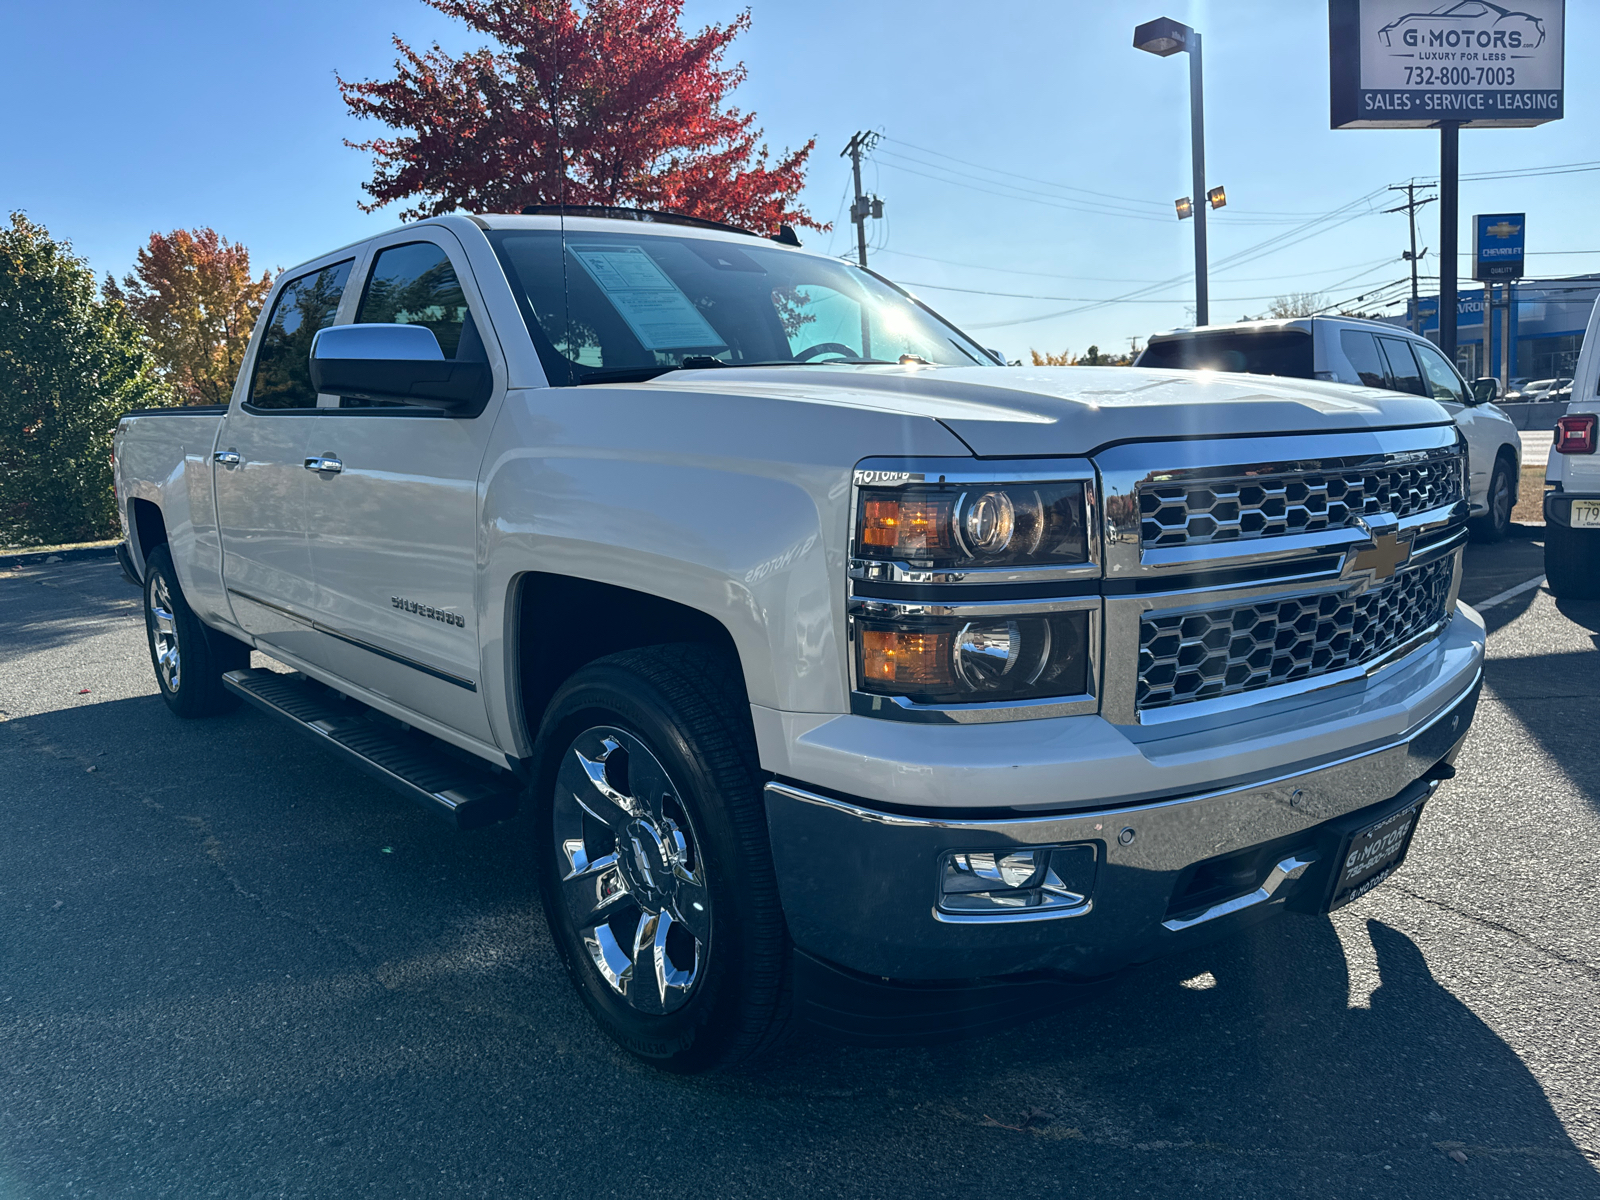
{"x":425,"y":610}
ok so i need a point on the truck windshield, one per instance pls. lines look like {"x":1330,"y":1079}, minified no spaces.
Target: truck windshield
{"x":628,"y":306}
{"x":1267,"y":352}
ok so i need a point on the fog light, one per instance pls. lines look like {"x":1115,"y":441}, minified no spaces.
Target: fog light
{"x":1001,"y":882}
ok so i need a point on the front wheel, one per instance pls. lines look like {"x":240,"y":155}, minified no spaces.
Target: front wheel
{"x":189,"y":658}
{"x":655,"y":868}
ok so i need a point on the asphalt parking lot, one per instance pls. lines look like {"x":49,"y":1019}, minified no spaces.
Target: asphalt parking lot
{"x":231,"y":966}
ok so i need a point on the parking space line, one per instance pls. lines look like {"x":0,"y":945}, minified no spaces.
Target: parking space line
{"x":1510,"y":593}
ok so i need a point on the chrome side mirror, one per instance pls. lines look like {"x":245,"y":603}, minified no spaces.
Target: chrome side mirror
{"x":396,"y":362}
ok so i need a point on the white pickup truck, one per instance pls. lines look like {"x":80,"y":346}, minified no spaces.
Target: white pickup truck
{"x":847,"y":674}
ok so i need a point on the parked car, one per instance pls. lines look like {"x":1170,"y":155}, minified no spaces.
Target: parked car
{"x":847,"y":674}
{"x":1572,"y":482}
{"x":1559,"y":394}
{"x":1370,"y":354}
{"x":1539,"y":389}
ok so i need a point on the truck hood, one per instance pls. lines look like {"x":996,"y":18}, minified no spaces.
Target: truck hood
{"x":1077,"y":410}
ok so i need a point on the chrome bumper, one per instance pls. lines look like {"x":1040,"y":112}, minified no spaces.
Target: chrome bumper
{"x":859,"y":884}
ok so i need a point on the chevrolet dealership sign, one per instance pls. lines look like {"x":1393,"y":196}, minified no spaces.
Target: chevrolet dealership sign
{"x":1409,"y":65}
{"x":1497,"y":246}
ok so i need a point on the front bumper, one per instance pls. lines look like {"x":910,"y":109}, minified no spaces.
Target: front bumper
{"x":859,"y":883}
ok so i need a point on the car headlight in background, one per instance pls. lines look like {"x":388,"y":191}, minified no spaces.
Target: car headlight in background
{"x":1000,"y":525}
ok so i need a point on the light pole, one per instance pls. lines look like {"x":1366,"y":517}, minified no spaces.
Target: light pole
{"x":1164,"y":37}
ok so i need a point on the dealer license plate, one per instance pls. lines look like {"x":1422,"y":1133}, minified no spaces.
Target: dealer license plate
{"x":1374,"y":854}
{"x":1586,"y":514}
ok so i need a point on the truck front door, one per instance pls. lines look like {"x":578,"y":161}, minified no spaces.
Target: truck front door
{"x":393,"y":517}
{"x":258,"y":468}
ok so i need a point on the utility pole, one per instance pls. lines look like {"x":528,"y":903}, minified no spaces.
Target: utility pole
{"x":864,"y":206}
{"x":1449,"y":196}
{"x":1410,"y":209}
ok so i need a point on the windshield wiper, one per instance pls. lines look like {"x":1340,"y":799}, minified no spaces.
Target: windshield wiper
{"x":623,"y":374}
{"x":704,"y":362}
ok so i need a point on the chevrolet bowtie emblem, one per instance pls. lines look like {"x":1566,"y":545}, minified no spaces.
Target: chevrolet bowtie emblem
{"x":1379,"y":559}
{"x":1501,"y":229}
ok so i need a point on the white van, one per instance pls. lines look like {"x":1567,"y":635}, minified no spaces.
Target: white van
{"x":1368,"y":354}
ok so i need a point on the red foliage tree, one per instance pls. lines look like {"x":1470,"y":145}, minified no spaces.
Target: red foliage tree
{"x":586,"y":102}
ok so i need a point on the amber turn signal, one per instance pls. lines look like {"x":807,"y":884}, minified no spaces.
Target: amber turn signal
{"x":911,"y":660}
{"x":907,"y":524}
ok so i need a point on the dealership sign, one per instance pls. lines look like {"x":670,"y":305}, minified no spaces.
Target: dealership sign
{"x":1404,"y":64}
{"x":1497,"y":242}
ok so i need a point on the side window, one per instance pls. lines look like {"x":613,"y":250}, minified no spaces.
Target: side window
{"x":1361,"y":348}
{"x":1442,"y":381}
{"x":415,"y":284}
{"x":1403,"y":373}
{"x":283,"y":368}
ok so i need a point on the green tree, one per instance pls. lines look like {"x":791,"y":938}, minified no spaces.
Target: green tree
{"x":71,"y":361}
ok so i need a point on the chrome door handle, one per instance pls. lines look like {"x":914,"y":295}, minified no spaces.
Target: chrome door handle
{"x":228,"y":458}
{"x":325,"y":462}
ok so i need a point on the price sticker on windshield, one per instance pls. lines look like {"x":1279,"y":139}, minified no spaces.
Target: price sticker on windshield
{"x":655,"y":308}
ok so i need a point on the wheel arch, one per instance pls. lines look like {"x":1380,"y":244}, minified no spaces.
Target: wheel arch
{"x":560,"y":623}
{"x":149,"y":529}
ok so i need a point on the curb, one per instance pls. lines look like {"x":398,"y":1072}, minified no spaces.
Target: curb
{"x":29,"y":558}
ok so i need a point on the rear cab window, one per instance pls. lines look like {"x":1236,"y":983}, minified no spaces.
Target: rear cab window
{"x":1249,"y":352}
{"x":307,"y":303}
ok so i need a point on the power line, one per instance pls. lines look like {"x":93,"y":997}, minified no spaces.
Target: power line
{"x":941,"y":287}
{"x":1104,"y":279}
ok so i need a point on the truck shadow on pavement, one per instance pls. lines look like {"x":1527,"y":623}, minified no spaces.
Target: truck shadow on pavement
{"x":1251,"y":1066}
{"x":1254,"y":1053}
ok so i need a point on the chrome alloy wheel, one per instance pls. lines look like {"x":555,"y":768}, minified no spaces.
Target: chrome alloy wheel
{"x":164,"y":634}
{"x":633,"y":880}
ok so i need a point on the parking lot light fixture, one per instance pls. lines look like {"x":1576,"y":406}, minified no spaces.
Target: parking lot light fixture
{"x":1185,"y":208}
{"x":1164,"y":37}
{"x":1217,"y":196}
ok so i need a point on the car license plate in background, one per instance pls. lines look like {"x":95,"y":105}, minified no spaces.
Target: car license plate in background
{"x":1586,"y":514}
{"x":1373,"y":855}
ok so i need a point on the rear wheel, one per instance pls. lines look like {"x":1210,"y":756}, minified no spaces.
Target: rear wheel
{"x":1495,"y":525}
{"x":654,"y":863}
{"x":1572,"y":562}
{"x":189,"y":658}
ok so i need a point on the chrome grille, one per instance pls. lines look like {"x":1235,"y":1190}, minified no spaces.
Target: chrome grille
{"x":1229,"y":507}
{"x":1186,"y":656}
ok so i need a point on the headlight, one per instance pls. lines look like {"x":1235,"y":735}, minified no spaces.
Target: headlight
{"x":1001,"y":525}
{"x":957,"y":660}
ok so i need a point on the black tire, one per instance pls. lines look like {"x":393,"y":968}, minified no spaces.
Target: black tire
{"x":1495,"y":525}
{"x":1572,"y":562}
{"x":189,"y":659}
{"x":719,"y":996}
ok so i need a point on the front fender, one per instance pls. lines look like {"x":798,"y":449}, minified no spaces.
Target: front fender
{"x":734,"y":506}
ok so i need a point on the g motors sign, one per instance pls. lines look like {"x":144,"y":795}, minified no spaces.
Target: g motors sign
{"x":1409,"y":65}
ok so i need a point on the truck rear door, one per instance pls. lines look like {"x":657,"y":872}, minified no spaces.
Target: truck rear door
{"x":259,"y":467}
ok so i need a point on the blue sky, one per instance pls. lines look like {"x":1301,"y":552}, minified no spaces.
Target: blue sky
{"x":129,"y":118}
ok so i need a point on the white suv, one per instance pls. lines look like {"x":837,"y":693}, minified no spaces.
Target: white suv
{"x":1368,"y":354}
{"x":1572,"y":483}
